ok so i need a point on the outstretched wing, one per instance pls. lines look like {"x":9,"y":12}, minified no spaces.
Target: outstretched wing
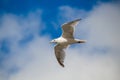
{"x":60,"y":53}
{"x":68,"y":28}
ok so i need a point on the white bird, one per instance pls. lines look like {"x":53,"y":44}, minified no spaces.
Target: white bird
{"x":64,"y":40}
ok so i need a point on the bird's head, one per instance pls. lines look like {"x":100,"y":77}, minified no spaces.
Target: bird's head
{"x":53,"y":41}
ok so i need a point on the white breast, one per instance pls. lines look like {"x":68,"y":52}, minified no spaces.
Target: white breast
{"x":61,"y":40}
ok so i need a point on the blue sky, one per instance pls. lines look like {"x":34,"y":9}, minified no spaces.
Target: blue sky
{"x":21,"y":6}
{"x":49,"y":8}
{"x":27,"y":26}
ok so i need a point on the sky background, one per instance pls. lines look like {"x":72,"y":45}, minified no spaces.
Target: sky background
{"x":27,"y":27}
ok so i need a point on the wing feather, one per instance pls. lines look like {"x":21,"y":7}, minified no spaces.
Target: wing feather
{"x":60,"y":53}
{"x":68,"y":28}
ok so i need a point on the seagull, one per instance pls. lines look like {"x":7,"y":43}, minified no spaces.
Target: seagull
{"x":65,"y":40}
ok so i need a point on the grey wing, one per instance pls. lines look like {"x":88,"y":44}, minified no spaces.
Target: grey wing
{"x":60,"y":53}
{"x":68,"y":28}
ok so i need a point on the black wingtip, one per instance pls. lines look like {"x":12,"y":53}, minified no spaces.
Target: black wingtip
{"x":78,"y":19}
{"x":61,"y":63}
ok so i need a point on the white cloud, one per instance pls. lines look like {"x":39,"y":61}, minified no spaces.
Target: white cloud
{"x":98,"y":59}
{"x":70,"y":14}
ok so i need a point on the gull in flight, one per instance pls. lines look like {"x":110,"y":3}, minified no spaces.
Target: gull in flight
{"x":65,"y":39}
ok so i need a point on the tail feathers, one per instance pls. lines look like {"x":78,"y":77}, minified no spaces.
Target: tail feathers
{"x":81,"y":41}
{"x":61,"y":63}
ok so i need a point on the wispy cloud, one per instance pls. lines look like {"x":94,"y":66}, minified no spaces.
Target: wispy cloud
{"x":14,"y":30}
{"x":98,"y":59}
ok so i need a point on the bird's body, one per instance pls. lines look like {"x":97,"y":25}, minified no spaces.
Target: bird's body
{"x":65,"y":40}
{"x":62,"y":40}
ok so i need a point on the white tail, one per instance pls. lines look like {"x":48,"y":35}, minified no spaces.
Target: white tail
{"x":81,"y":41}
